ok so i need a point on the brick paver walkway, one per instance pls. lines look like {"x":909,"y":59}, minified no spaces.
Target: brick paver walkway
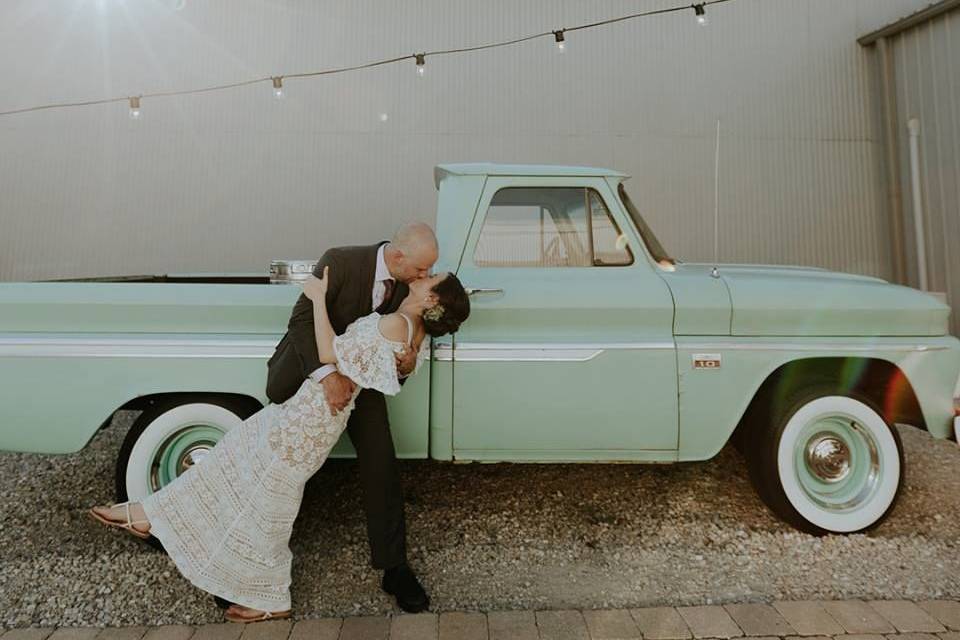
{"x":807,"y":620}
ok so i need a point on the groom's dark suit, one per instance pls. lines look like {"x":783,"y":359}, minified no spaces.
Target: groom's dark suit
{"x":349,"y":296}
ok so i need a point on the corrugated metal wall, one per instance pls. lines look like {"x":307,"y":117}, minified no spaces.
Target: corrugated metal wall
{"x":927,"y":80}
{"x":229,"y":181}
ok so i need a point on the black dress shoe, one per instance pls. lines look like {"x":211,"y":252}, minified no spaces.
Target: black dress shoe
{"x":400,"y":582}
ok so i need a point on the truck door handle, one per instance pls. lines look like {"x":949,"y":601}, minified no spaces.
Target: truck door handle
{"x":473,"y":290}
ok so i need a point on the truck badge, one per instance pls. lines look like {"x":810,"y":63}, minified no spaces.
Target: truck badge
{"x":706,"y":361}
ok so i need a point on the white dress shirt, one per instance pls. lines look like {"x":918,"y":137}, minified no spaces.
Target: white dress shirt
{"x":383,"y":273}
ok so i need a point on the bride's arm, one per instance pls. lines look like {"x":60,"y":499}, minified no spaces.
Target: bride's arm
{"x":316,"y":289}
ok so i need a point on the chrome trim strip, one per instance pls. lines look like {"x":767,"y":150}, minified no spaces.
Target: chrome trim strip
{"x":801,"y":346}
{"x":535,"y":352}
{"x":178,"y":346}
{"x":18,"y":346}
{"x":563,"y":346}
{"x":582,"y":352}
{"x":522,"y":355}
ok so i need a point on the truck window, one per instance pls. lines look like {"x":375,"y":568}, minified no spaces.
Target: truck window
{"x":657,"y":252}
{"x":550,"y":227}
{"x":609,"y":244}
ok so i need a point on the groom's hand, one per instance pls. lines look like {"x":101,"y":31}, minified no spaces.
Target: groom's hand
{"x":406,"y":360}
{"x":337,"y":388}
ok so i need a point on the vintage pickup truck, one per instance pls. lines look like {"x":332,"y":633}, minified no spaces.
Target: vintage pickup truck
{"x":587,"y":343}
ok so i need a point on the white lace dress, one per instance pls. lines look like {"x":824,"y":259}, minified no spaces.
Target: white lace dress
{"x":226,"y":521}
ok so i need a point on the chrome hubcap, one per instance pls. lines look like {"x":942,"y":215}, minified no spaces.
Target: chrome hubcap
{"x":828,"y":457}
{"x":188,"y":446}
{"x":838,"y":462}
{"x":194,"y":456}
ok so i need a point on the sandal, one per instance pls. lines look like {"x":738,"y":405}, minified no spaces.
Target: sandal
{"x":263,"y":615}
{"x":128,"y":525}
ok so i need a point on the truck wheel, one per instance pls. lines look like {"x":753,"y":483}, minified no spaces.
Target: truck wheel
{"x":826,"y":461}
{"x":169,"y":437}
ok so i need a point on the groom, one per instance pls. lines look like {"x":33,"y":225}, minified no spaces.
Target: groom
{"x":363,"y":279}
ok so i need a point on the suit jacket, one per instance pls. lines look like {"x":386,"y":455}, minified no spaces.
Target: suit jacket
{"x":349,"y":296}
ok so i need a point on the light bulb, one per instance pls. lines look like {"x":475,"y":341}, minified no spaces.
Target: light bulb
{"x":421,"y":62}
{"x":277,"y":86}
{"x":701,"y":14}
{"x":135,"y":107}
{"x":384,"y":117}
{"x":561,"y":42}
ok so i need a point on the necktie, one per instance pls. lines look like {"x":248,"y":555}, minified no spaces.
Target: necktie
{"x":388,"y":286}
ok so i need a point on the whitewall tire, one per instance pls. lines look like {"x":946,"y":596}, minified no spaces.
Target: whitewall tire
{"x":827,"y":462}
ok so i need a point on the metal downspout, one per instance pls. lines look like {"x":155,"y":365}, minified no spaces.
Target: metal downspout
{"x":917,"y":189}
{"x":889,"y":108}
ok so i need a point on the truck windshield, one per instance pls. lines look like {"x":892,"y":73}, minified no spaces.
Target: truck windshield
{"x":653,"y":245}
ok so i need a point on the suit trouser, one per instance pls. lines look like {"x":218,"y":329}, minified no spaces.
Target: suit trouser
{"x":369,"y":431}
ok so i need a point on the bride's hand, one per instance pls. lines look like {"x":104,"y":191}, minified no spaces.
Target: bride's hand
{"x":316,"y":288}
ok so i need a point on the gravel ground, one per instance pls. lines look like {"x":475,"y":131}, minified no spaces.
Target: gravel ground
{"x":486,"y":537}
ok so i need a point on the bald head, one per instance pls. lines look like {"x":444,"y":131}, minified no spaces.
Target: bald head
{"x":414,"y":236}
{"x":412,"y":252}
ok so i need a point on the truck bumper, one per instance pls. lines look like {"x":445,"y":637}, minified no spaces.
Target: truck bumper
{"x":933,"y":372}
{"x":956,"y":417}
{"x":956,"y":411}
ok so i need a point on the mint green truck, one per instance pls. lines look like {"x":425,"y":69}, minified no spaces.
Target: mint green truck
{"x":587,"y":343}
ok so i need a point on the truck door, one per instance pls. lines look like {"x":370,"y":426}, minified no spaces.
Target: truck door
{"x":568,"y":353}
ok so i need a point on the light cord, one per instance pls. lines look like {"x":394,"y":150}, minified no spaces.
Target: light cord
{"x":419,"y":58}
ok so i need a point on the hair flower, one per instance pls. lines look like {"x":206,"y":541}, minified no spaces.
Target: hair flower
{"x":434,"y":313}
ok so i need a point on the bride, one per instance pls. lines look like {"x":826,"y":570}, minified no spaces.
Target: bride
{"x":226,"y":521}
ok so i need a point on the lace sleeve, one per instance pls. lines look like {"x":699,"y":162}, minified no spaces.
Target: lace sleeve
{"x":366,"y":357}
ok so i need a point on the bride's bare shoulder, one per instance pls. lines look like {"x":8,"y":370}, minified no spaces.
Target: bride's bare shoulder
{"x":393,"y":327}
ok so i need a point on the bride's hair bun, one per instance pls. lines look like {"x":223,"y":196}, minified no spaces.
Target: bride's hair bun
{"x":452,"y":308}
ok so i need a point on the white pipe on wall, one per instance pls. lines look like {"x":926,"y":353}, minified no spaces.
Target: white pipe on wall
{"x":892,"y":155}
{"x":914,"y":127}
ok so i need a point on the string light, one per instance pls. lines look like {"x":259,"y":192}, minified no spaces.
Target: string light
{"x":134,"y":107}
{"x":700,"y":11}
{"x":420,"y":58}
{"x":561,"y":42}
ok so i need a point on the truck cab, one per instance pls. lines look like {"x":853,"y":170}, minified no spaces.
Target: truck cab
{"x":571,"y":325}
